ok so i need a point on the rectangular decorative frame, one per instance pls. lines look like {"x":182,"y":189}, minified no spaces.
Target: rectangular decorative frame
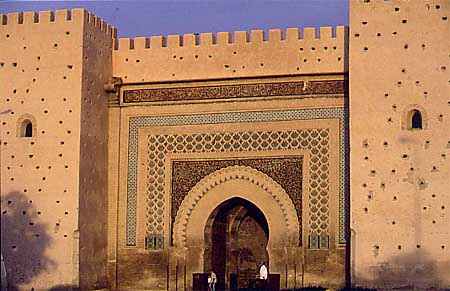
{"x":137,"y":122}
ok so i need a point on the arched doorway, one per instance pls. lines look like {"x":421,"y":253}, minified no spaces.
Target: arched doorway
{"x":236,"y":237}
{"x":209,"y":196}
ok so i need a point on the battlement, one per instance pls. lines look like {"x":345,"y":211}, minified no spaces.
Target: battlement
{"x":238,"y":37}
{"x":231,"y":54}
{"x":63,"y":16}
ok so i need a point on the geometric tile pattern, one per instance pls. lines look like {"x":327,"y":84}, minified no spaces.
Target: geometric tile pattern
{"x":187,"y":173}
{"x":310,"y":138}
{"x":316,"y":141}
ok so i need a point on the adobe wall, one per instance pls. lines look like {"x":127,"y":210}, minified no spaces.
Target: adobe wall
{"x":184,"y":64}
{"x":42,"y":73}
{"x":230,"y":55}
{"x":97,"y":71}
{"x":134,"y":211}
{"x":399,"y":61}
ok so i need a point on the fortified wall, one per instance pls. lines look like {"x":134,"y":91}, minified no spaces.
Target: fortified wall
{"x":53,"y":66}
{"x":211,"y":101}
{"x":399,"y":67}
{"x":123,"y":159}
{"x":230,"y":55}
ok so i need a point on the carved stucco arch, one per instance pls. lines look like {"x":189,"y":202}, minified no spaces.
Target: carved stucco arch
{"x":251,"y":177}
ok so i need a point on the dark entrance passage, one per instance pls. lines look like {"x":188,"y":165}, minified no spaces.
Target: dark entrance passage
{"x":236,"y":237}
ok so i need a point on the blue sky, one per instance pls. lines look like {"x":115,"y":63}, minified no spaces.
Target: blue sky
{"x":155,"y":17}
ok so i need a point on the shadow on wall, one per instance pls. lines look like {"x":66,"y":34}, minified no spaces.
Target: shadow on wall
{"x":24,"y":239}
{"x":64,"y":288}
{"x":414,"y":270}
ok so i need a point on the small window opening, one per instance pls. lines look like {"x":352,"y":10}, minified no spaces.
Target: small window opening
{"x":27,"y":129}
{"x":416,"y":119}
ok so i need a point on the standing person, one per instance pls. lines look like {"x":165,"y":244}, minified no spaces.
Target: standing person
{"x":263,"y":272}
{"x":212,"y":280}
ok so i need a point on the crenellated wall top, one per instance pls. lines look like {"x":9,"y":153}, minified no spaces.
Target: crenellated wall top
{"x":63,"y":16}
{"x":256,"y":36}
{"x":224,"y":55}
{"x":195,"y":56}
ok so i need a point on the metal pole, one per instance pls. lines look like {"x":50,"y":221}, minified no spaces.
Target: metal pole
{"x":303,"y":261}
{"x":286,"y":274}
{"x":167,"y":275}
{"x":184,"y":277}
{"x":303,"y":273}
{"x":295,"y":276}
{"x":176,"y":277}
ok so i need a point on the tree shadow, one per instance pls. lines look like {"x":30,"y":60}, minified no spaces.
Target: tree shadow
{"x":415,"y":270}
{"x":24,"y":240}
{"x":64,"y":288}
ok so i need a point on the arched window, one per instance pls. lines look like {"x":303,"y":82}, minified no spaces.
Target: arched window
{"x":26,"y":128}
{"x":29,"y":130}
{"x":415,"y":119}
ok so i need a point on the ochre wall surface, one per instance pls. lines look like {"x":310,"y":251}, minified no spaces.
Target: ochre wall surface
{"x":322,"y":266}
{"x":399,"y":61}
{"x":180,"y":63}
{"x":39,"y":194}
{"x":230,"y":55}
{"x":80,"y":198}
{"x":97,"y":71}
{"x":45,"y":78}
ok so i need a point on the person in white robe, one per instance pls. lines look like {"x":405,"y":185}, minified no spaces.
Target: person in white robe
{"x":263,"y":272}
{"x":212,"y":280}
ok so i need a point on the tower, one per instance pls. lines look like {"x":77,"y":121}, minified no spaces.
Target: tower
{"x":54,"y":147}
{"x":400,"y":142}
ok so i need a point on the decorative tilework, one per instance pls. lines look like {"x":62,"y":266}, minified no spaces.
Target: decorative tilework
{"x":318,"y":241}
{"x":278,"y":198}
{"x":136,"y":122}
{"x":154,"y":242}
{"x":313,"y":241}
{"x":186,"y":174}
{"x":316,"y":141}
{"x":324,"y":241}
{"x":298,"y":88}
